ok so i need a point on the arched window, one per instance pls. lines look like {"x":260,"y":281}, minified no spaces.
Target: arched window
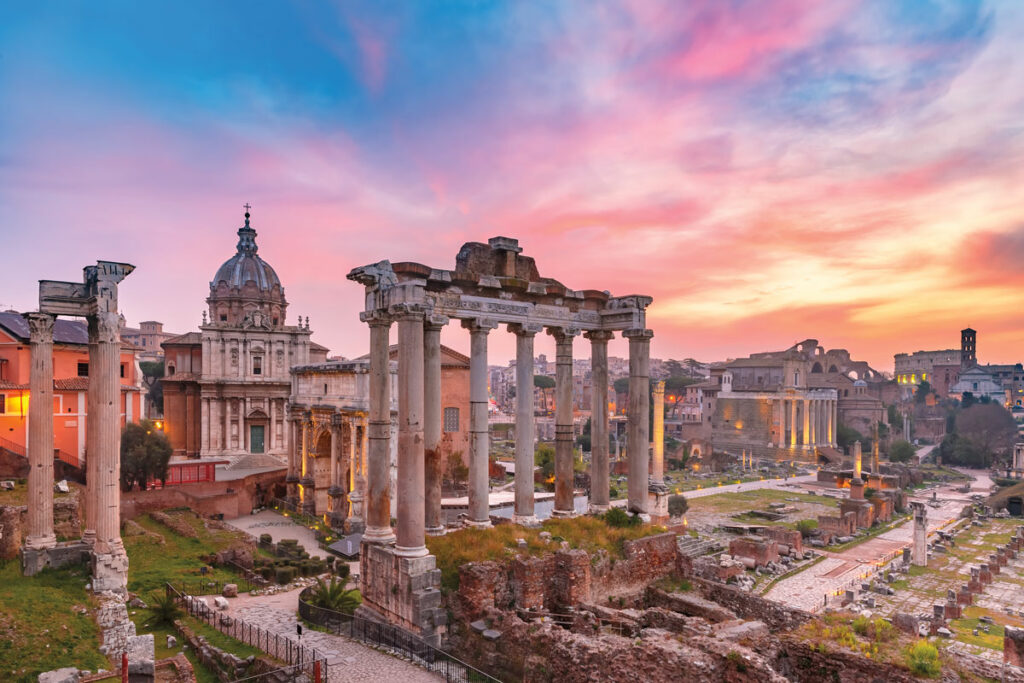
{"x":816,"y":368}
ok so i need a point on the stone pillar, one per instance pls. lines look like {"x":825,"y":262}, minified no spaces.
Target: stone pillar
{"x":357,"y":459}
{"x":600,"y":477}
{"x":813,"y":404}
{"x":110,"y":562}
{"x":920,"y":553}
{"x":792,"y":422}
{"x":433,"y":461}
{"x":479,"y":438}
{"x":564,"y":475}
{"x":637,"y":415}
{"x":336,"y":492}
{"x":92,"y":449}
{"x":411,"y":536}
{"x":874,"y":454}
{"x":807,"y":422}
{"x":292,"y":477}
{"x":378,"y":466}
{"x":781,"y":440}
{"x":857,"y":460}
{"x":526,"y":430}
{"x":40,"y":441}
{"x":308,"y":482}
{"x":833,"y":423}
{"x":658,"y":456}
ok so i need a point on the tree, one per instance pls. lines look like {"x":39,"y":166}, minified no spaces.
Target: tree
{"x":923,"y":389}
{"x":677,"y":505}
{"x":895,"y":418}
{"x":583,"y":440}
{"x":846,"y":436}
{"x":544,"y":458}
{"x":675,"y":392}
{"x":621,"y":385}
{"x":545,"y":384}
{"x":145,"y":452}
{"x":152,"y":372}
{"x":901,"y":451}
{"x":674,"y":368}
{"x":990,"y":427}
{"x":457,"y":471}
{"x":957,"y":450}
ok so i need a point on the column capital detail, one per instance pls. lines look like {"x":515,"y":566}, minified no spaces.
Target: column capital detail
{"x":435,"y":322}
{"x":484,"y":325}
{"x":407,"y":311}
{"x":659,"y":387}
{"x":638,"y":333}
{"x":599,"y":336}
{"x":104,"y":327}
{"x":563,"y":333}
{"x":375,"y":318}
{"x":524,"y":329}
{"x":335,"y":422}
{"x":40,"y":327}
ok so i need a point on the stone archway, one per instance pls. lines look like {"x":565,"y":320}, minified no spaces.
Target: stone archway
{"x":320,"y":463}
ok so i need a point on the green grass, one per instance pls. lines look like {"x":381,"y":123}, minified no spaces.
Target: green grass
{"x":38,"y":630}
{"x":964,"y":630}
{"x":19,"y":496}
{"x":755,"y":499}
{"x":151,"y":564}
{"x":478,"y":545}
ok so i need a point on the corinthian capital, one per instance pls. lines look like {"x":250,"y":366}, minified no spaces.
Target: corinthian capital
{"x":104,"y":327}
{"x":40,"y":327}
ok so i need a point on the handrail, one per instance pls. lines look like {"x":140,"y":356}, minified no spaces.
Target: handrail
{"x":58,"y":454}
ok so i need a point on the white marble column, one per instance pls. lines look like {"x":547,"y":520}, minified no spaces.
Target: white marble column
{"x":378,"y":466}
{"x":92,"y":449}
{"x":813,"y":412}
{"x":658,"y":455}
{"x":410,"y":535}
{"x":832,"y":423}
{"x":807,"y":421}
{"x":792,"y":422}
{"x":294,"y":444}
{"x":600,"y":478}
{"x":40,"y":423}
{"x":336,"y":492}
{"x":564,"y":475}
{"x":433,"y":468}
{"x":479,"y":440}
{"x":307,"y":481}
{"x":526,"y":430}
{"x":637,"y":416}
{"x":782,"y":423}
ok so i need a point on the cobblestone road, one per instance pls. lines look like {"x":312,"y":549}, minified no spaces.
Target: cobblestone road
{"x":346,"y":660}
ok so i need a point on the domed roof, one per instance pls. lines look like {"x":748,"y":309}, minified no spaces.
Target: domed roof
{"x":860,"y":383}
{"x":245,"y":265}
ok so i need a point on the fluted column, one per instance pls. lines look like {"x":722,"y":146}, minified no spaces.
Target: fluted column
{"x":807,"y":421}
{"x":813,"y":413}
{"x":378,"y":496}
{"x":564,"y":504}
{"x":357,"y":479}
{"x":410,"y":535}
{"x":40,"y":440}
{"x":104,"y":383}
{"x":308,"y":482}
{"x":433,"y":462}
{"x":92,"y":449}
{"x":526,"y":430}
{"x":637,"y":414}
{"x":336,"y":492}
{"x":479,"y":440}
{"x":782,"y":423}
{"x":600,"y":480}
{"x":792,"y":422}
{"x":832,"y":423}
{"x":294,"y":444}
{"x":658,"y":456}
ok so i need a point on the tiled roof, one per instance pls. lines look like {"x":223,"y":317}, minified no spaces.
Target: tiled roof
{"x":64,"y":331}
{"x":65,"y":384}
{"x":187,"y":338}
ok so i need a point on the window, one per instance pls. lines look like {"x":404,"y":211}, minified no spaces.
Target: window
{"x":275,"y":322}
{"x":223,"y":317}
{"x":170,"y":369}
{"x":3,"y":404}
{"x":451,"y":419}
{"x":83,"y":369}
{"x":122,"y":370}
{"x":257,"y":365}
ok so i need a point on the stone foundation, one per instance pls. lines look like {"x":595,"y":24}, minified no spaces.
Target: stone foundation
{"x":1013,"y":646}
{"x":657,"y":506}
{"x":34,"y":560}
{"x":404,"y":591}
{"x":117,"y":628}
{"x":110,"y":571}
{"x":760,"y":551}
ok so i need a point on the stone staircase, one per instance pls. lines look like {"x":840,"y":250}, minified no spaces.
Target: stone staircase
{"x":696,"y":547}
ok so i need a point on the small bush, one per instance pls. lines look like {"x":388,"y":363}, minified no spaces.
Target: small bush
{"x":620,"y":519}
{"x":284,"y":574}
{"x":923,"y":659}
{"x":677,"y":505}
{"x":265,"y":539}
{"x":807,"y":527}
{"x":267,"y":572}
{"x":736,"y":659}
{"x":342,"y":570}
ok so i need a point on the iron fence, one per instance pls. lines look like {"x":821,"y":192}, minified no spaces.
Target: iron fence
{"x":284,"y":648}
{"x":394,"y":639}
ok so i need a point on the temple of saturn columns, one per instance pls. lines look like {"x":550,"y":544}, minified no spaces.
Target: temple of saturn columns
{"x":492,"y":284}
{"x":95,"y":299}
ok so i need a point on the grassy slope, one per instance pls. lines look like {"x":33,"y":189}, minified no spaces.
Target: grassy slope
{"x":38,"y":630}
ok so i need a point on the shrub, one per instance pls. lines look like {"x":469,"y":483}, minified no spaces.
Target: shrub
{"x":267,"y":572}
{"x":163,"y":609}
{"x":342,"y":570}
{"x":620,"y":519}
{"x":265,"y":539}
{"x":677,"y":505}
{"x":284,"y":574}
{"x":334,"y":596}
{"x":807,"y":527}
{"x":923,"y":659}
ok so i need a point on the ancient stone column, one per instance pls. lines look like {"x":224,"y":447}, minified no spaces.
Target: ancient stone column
{"x":781,"y":440}
{"x":434,"y":463}
{"x":110,"y":568}
{"x":308,"y":481}
{"x":479,"y":438}
{"x":920,"y":553}
{"x":832,"y":423}
{"x":336,"y":492}
{"x":813,"y":405}
{"x":636,"y":417}
{"x":564,"y":476}
{"x":600,"y":478}
{"x":92,"y":433}
{"x":658,"y":459}
{"x":40,"y":440}
{"x":807,"y":422}
{"x":526,"y":430}
{"x":792,"y":422}
{"x":357,"y":464}
{"x":411,"y":537}
{"x":857,"y":456}
{"x":378,"y":495}
{"x":874,"y":454}
{"x":292,"y":477}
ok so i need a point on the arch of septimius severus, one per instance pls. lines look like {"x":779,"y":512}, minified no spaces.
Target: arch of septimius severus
{"x":95,"y":299}
{"x":492,"y":284}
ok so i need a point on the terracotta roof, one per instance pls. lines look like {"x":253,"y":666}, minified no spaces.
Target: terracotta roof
{"x":65,"y":384}
{"x":64,"y":331}
{"x":187,"y":338}
{"x":10,"y":385}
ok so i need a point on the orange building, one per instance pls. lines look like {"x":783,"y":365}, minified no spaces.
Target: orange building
{"x":70,"y":384}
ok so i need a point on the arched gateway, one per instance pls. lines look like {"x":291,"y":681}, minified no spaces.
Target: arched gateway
{"x":492,"y":284}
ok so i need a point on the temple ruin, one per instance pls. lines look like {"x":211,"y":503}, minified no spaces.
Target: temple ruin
{"x":492,"y":284}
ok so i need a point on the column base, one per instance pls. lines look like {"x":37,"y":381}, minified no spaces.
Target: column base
{"x":34,"y":560}
{"x":89,"y":537}
{"x":355,"y":525}
{"x":309,"y":506}
{"x":593,"y":509}
{"x":337,"y":520}
{"x":657,"y":503}
{"x":530,"y":521}
{"x":436,"y":530}
{"x":420,"y":551}
{"x":563,"y":513}
{"x":404,"y":591}
{"x":478,"y":525}
{"x":379,"y":535}
{"x":40,"y":542}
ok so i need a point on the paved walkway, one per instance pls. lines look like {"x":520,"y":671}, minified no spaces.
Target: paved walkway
{"x":347,"y":660}
{"x":279,"y":527}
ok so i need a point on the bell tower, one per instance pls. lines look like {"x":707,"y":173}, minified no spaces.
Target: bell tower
{"x":968,"y":348}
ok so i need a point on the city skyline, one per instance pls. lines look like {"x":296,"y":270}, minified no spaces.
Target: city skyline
{"x":767,"y":173}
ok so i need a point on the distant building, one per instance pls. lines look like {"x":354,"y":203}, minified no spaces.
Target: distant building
{"x":980,"y":383}
{"x":148,"y":337}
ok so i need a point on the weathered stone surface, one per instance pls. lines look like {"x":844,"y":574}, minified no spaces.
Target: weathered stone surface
{"x":220,"y":602}
{"x":141,"y":658}
{"x":1013,"y":645}
{"x":68,"y":674}
{"x":230,"y":590}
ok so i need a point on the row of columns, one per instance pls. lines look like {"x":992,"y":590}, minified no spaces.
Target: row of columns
{"x":102,"y":528}
{"x":419,"y":424}
{"x":816,"y":418}
{"x":346,"y":455}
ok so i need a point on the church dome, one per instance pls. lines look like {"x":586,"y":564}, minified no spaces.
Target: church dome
{"x":246,"y":292}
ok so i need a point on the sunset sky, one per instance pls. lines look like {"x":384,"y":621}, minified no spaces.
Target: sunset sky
{"x":767,"y":171}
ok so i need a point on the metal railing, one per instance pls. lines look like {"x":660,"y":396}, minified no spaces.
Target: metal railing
{"x":284,"y":648}
{"x":393,"y":639}
{"x":58,"y":454}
